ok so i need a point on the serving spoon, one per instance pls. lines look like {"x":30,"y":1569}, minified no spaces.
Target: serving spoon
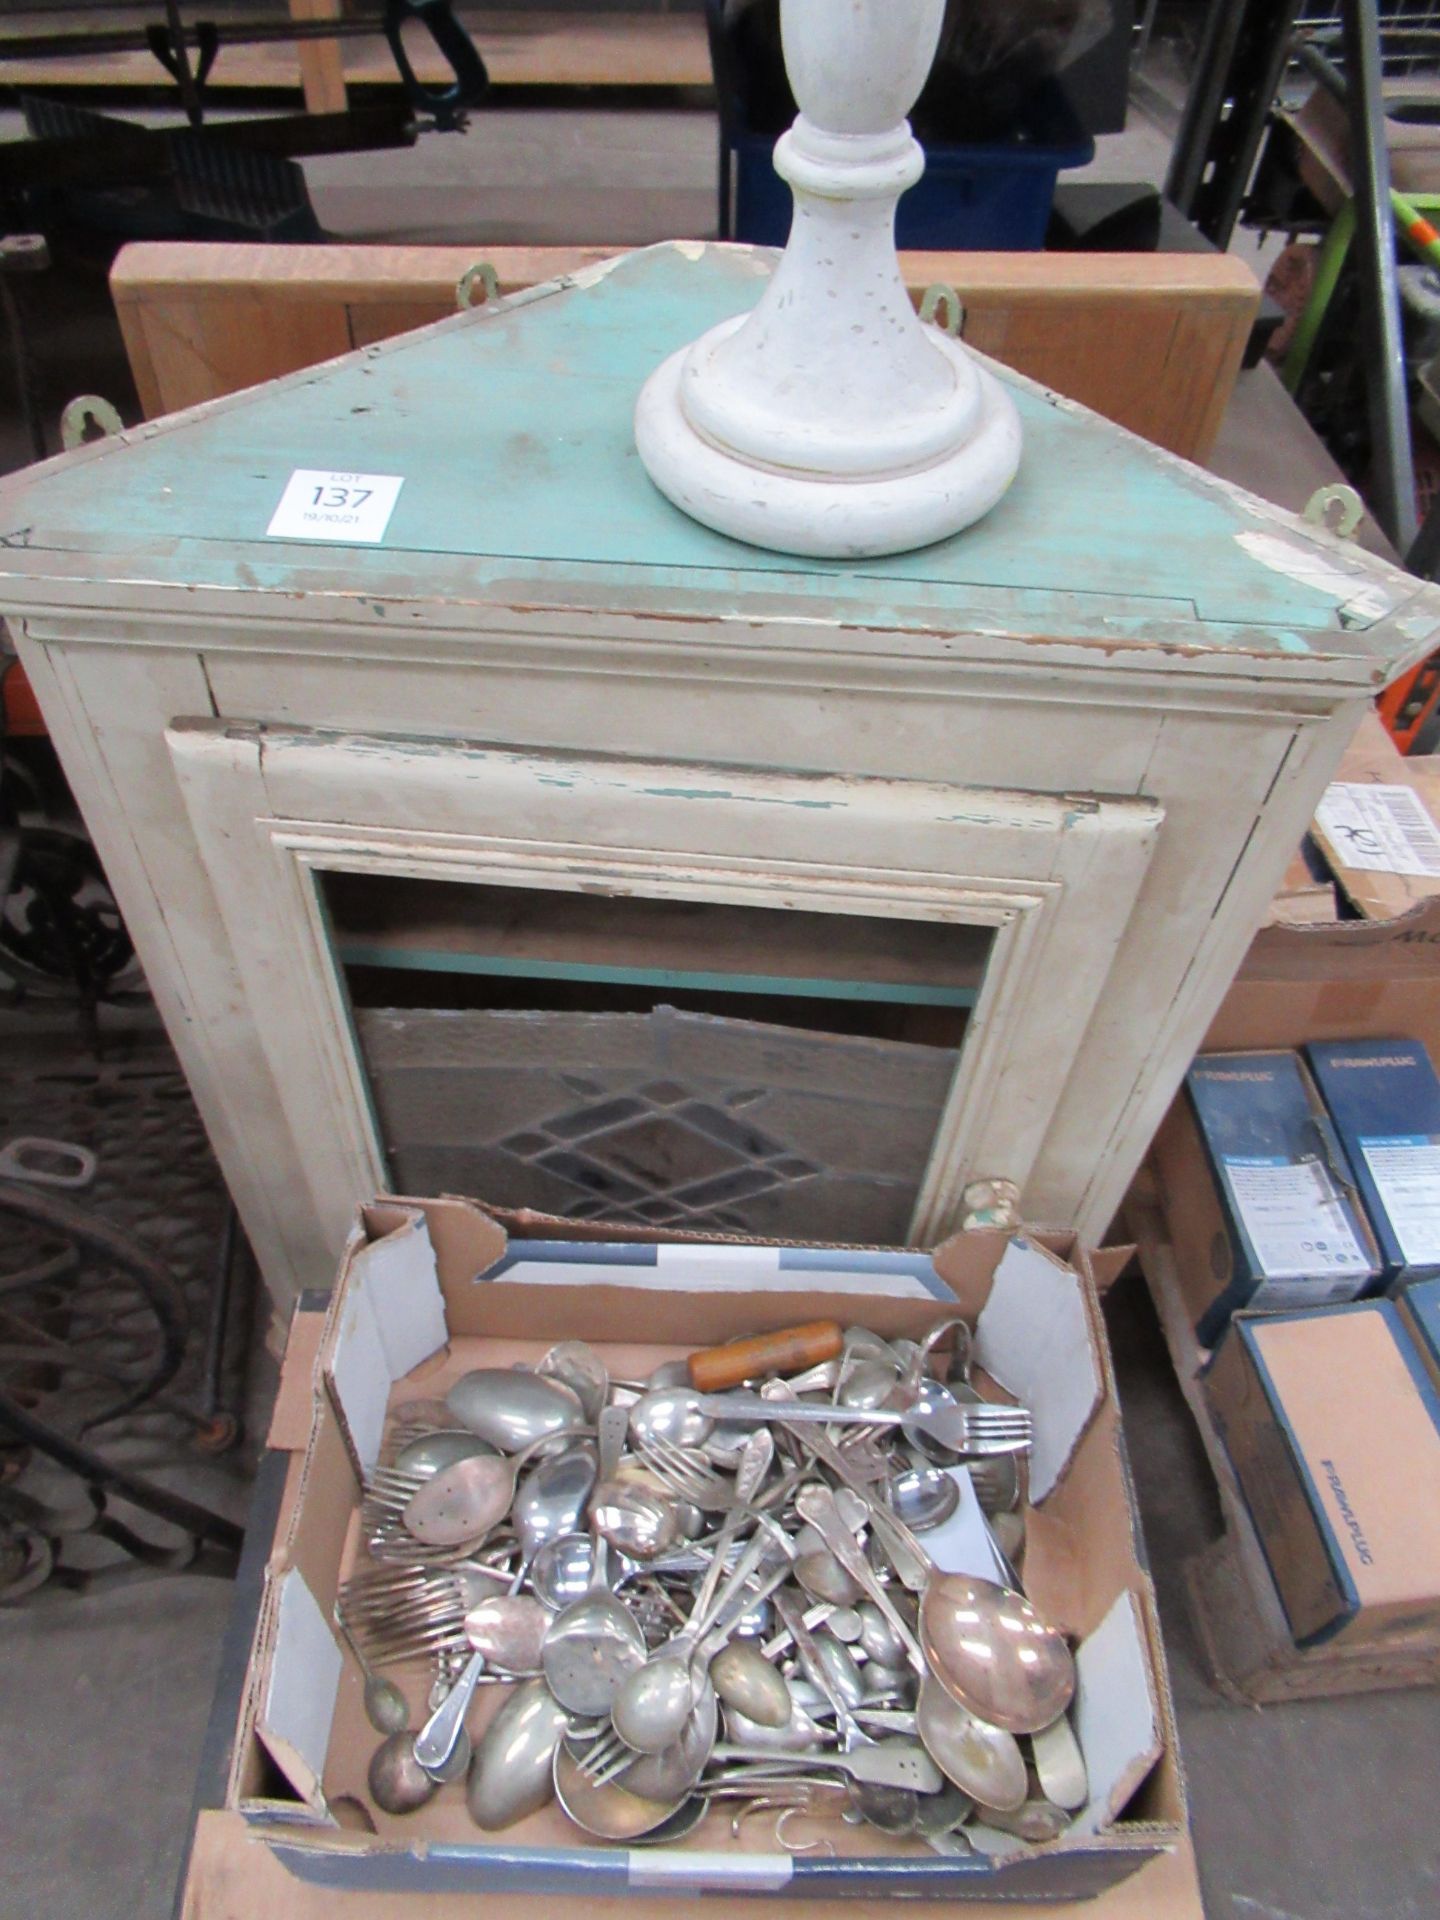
{"x":993,"y":1653}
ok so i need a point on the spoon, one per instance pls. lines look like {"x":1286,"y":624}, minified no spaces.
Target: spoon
{"x":686,"y":1818}
{"x":845,"y":1623}
{"x":509,"y":1630}
{"x":1037,"y":1821}
{"x":594,"y":1642}
{"x":923,"y":1496}
{"x":575,"y":1364}
{"x":652,"y":1705}
{"x":456,"y":1763}
{"x":398,"y":1783}
{"x":1060,"y":1765}
{"x":505,"y":1631}
{"x":884,"y":1763}
{"x":817,"y":1505}
{"x":670,"y":1413}
{"x":801,"y":1733}
{"x":550,"y":1503}
{"x":386,"y":1707}
{"x":983,"y":1761}
{"x":823,"y":1577}
{"x":746,"y":1681}
{"x":840,"y":1668}
{"x":429,"y":1452}
{"x":861,"y":1342}
{"x":882,"y":1682}
{"x":879,"y":1641}
{"x":868,"y":1385}
{"x":940,"y":1812}
{"x":460,"y":1504}
{"x":513,"y":1773}
{"x":924,"y":1406}
{"x":676,"y":1769}
{"x":670,"y":1373}
{"x":609,"y":1812}
{"x":993,"y":1653}
{"x":512,"y":1408}
{"x":635,"y":1519}
{"x":563,"y":1570}
{"x":887,"y":1803}
{"x":653,"y":1702}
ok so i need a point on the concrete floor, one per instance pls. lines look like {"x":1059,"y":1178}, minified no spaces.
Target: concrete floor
{"x":1303,"y":1812}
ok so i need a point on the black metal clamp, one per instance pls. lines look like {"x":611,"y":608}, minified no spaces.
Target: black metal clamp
{"x":449,"y":103}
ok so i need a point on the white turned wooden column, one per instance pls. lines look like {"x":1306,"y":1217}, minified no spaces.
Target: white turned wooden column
{"x":830,"y":421}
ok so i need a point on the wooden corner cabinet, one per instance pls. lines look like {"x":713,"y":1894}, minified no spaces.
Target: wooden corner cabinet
{"x":522,"y":837}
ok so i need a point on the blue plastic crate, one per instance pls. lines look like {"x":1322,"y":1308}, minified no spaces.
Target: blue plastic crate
{"x":994,"y":197}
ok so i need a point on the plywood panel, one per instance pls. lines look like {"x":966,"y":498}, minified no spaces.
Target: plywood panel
{"x":1152,"y":341}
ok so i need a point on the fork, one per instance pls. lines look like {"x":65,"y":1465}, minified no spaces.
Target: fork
{"x":680,"y":1473}
{"x":980,"y":1429}
{"x":606,"y":1758}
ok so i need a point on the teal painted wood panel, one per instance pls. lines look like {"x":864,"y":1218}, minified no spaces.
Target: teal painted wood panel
{"x":512,"y":430}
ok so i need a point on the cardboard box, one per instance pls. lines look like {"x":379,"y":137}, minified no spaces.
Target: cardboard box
{"x":1333,"y":1428}
{"x":429,"y":1289}
{"x":1376,"y":826}
{"x":1261,"y":1202}
{"x":1419,"y":1309}
{"x":1383,"y":1098}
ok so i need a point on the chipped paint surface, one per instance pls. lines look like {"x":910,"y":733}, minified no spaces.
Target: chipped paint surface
{"x":1313,"y":567}
{"x":592,"y":275}
{"x":1159,"y":565}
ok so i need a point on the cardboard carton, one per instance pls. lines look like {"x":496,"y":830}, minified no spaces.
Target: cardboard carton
{"x":1261,"y":1201}
{"x":1333,"y":1428}
{"x":429,"y":1289}
{"x":1376,"y":826}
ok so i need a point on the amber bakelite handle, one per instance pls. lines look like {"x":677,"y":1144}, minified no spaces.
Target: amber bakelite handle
{"x":788,"y":1351}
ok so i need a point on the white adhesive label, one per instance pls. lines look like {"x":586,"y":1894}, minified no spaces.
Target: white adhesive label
{"x":1379,"y":829}
{"x":350,"y":507}
{"x":1406,"y":1169}
{"x":709,"y":1872}
{"x":1294,"y":1219}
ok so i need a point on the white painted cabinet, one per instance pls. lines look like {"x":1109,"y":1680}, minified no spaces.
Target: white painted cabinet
{"x":1003,"y":812}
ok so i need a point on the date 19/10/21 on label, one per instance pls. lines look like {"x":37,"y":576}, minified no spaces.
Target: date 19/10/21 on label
{"x":346,"y":507}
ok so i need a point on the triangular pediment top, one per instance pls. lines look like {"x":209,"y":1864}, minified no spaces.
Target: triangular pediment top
{"x":510,"y":428}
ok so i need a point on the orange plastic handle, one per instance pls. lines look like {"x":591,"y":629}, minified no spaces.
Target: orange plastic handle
{"x":788,"y":1351}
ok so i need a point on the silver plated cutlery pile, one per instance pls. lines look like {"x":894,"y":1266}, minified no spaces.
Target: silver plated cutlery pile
{"x":714,"y":1586}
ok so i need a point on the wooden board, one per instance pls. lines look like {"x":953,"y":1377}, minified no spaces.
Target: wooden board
{"x":552,"y":49}
{"x":322,"y":62}
{"x":1235,"y":1608}
{"x":1152,"y":341}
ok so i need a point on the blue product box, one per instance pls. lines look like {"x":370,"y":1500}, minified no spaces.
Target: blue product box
{"x":1384,"y":1101}
{"x":1287,"y":1196}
